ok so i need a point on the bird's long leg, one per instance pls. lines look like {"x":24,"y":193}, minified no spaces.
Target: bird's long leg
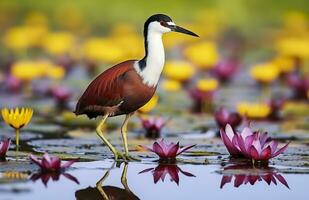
{"x":101,"y":135}
{"x":124,"y":129}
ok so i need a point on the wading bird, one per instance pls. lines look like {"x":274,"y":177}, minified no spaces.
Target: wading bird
{"x":125,"y":87}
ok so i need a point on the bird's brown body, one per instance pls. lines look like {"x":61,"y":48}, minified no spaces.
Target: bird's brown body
{"x":118,"y":90}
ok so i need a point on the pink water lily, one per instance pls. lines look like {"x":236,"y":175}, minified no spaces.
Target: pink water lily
{"x":160,"y":172}
{"x":167,"y":150}
{"x":153,"y":126}
{"x":51,"y":164}
{"x":226,"y":69}
{"x":224,"y":117}
{"x":299,"y":85}
{"x":61,"y":96}
{"x":4,"y":147}
{"x":252,"y":145}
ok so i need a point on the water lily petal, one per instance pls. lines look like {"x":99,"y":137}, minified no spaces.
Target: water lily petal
{"x":228,"y":143}
{"x":185,"y":148}
{"x":225,"y":180}
{"x":146,"y":170}
{"x":68,"y":164}
{"x":35,"y":160}
{"x":239,"y":180}
{"x":173,"y":172}
{"x":172,"y":152}
{"x":158,"y":150}
{"x":266,"y":154}
{"x":70,"y":177}
{"x":282,"y":180}
{"x":254,"y":153}
{"x":55,"y":163}
{"x":281,"y":150}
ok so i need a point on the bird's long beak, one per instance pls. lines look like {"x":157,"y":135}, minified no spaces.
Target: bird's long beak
{"x":179,"y":29}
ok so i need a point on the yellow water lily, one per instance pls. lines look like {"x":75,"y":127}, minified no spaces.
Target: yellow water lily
{"x":59,"y":43}
{"x":293,"y":47}
{"x":284,"y":64}
{"x":203,"y":54}
{"x":150,"y":105}
{"x":27,"y":70}
{"x":17,"y":118}
{"x":23,"y":37}
{"x":207,"y":85}
{"x":179,"y":70}
{"x":103,"y":50}
{"x":253,"y":110}
{"x":264,"y":73}
{"x":171,"y":85}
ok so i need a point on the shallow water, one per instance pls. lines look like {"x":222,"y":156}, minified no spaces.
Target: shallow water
{"x":195,"y":182}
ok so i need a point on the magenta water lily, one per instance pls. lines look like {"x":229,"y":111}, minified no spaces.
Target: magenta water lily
{"x":256,"y":146}
{"x":4,"y":147}
{"x":153,"y":126}
{"x":168,"y":151}
{"x":50,"y":163}
{"x":224,"y":117}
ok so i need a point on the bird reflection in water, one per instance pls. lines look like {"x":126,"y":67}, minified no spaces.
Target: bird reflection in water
{"x":160,"y":171}
{"x":101,"y":192}
{"x":244,"y":174}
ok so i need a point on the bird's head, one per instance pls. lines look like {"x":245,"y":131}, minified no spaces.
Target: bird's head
{"x":161,"y":24}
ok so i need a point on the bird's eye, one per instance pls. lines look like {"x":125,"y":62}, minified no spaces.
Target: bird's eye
{"x":163,"y":23}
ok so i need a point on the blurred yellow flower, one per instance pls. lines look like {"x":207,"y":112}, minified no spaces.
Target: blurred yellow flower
{"x":103,"y":50}
{"x":23,"y":37}
{"x":253,"y":110}
{"x":264,"y":73}
{"x":203,"y":54}
{"x":17,"y":118}
{"x":150,"y":105}
{"x":52,"y":71}
{"x":293,"y":47}
{"x":59,"y":43}
{"x":207,"y":85}
{"x":132,"y":45}
{"x":178,"y":70}
{"x":284,"y":64}
{"x":27,"y":70}
{"x":171,"y":85}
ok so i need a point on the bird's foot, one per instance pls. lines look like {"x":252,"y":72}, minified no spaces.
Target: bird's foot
{"x":125,"y":157}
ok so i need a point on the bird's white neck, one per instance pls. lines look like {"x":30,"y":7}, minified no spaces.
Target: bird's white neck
{"x":151,"y":66}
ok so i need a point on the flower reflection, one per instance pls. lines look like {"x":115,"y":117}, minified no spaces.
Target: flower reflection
{"x":244,"y":174}
{"x":161,"y":171}
{"x":55,"y":176}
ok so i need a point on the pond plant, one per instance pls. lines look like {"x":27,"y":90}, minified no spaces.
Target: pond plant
{"x":253,"y":145}
{"x":167,"y":151}
{"x":153,"y":126}
{"x":4,"y":147}
{"x":17,"y":118}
